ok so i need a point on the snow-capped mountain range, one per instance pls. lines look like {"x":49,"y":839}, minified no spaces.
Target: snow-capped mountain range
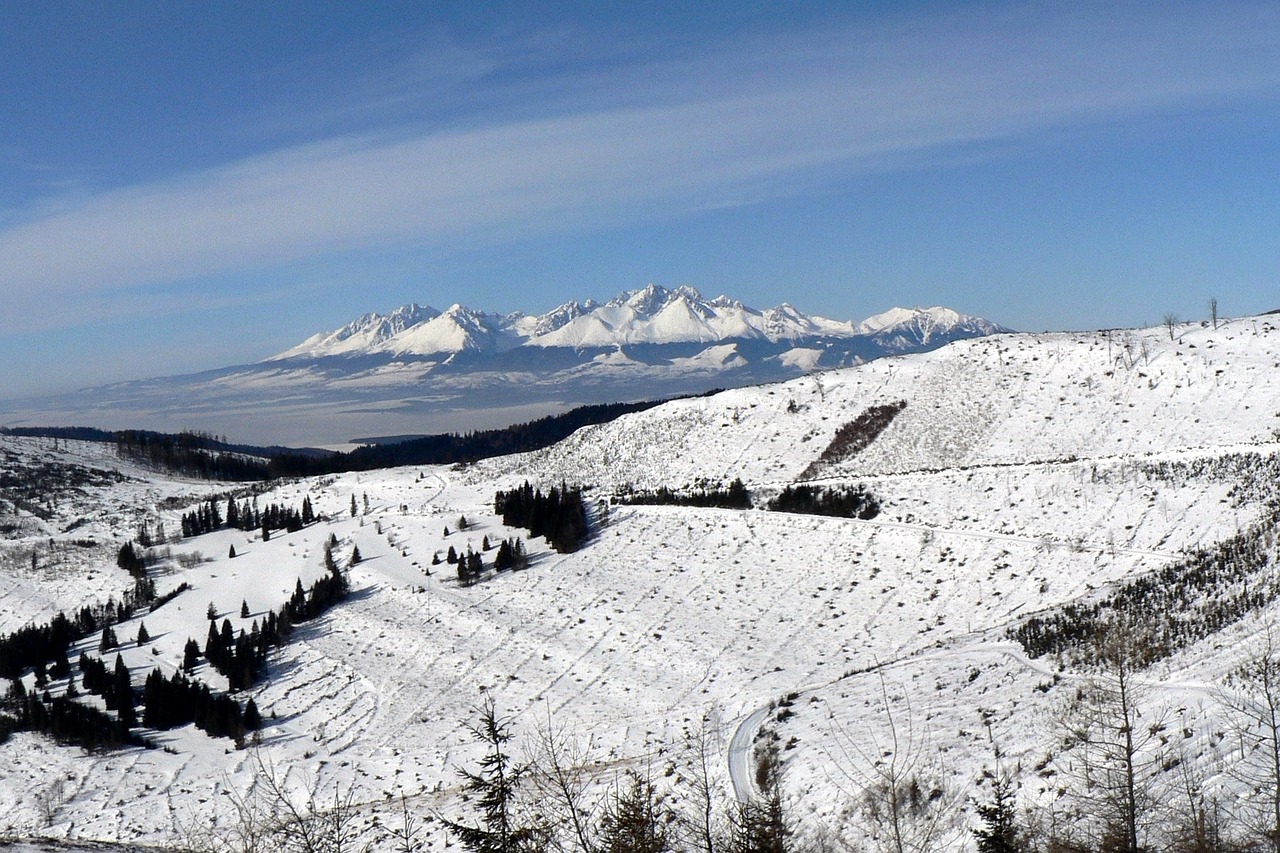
{"x":418,"y":370}
{"x":653,"y":315}
{"x":1057,"y":480}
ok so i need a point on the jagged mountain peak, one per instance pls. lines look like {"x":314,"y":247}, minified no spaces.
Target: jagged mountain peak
{"x":560,"y":315}
{"x":653,"y":298}
{"x":650,"y":315}
{"x":363,"y":334}
{"x":923,"y":325}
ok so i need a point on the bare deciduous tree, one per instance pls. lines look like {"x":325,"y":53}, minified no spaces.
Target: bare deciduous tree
{"x":1256,"y":709}
{"x":703,"y":829}
{"x":905,"y":803}
{"x":1119,"y":742}
{"x":558,"y":772}
{"x":274,"y":816}
{"x":51,"y":799}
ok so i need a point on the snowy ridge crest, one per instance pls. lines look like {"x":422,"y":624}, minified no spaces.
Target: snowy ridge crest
{"x":650,"y":315}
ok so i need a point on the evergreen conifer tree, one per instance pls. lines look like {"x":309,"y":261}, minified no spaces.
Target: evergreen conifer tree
{"x":123,"y":691}
{"x":999,"y":830}
{"x":635,"y":821}
{"x":494,"y":788}
{"x":252,"y":717}
{"x":190,"y":655}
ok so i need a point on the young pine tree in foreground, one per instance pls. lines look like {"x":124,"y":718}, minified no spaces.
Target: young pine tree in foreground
{"x":494,"y":789}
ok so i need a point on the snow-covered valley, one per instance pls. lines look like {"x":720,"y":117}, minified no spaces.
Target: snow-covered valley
{"x":1024,"y":472}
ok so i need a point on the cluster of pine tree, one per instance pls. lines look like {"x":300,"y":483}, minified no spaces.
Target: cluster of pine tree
{"x":33,"y":645}
{"x":247,"y":516}
{"x":114,"y":687}
{"x":734,"y":496}
{"x":167,"y":702}
{"x":470,"y":565}
{"x":323,"y":594}
{"x":66,"y":720}
{"x":510,"y":555}
{"x":242,"y":659}
{"x":131,"y":561}
{"x":206,"y":519}
{"x":36,"y":645}
{"x":560,"y":515}
{"x":178,"y":700}
{"x":1177,"y":605}
{"x":191,"y":453}
{"x":855,"y":502}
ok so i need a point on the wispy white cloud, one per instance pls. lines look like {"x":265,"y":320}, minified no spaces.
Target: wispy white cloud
{"x":752,"y":120}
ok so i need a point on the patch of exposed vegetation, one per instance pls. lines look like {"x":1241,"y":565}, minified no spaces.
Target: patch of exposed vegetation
{"x":855,"y":437}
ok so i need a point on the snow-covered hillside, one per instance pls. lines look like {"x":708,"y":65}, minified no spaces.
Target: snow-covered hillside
{"x":1024,"y":472}
{"x":1008,"y":399}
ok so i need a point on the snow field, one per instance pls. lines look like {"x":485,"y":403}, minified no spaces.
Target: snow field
{"x":1020,"y":476}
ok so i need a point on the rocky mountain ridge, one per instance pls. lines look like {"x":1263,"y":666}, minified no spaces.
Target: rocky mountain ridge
{"x":653,"y":315}
{"x":418,"y":371}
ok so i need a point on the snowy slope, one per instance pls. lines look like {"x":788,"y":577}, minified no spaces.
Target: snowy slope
{"x":362,"y":335}
{"x":1024,"y":472}
{"x":1008,"y":399}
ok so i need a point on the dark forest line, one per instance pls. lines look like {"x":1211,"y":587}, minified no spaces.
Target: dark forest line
{"x":210,"y":457}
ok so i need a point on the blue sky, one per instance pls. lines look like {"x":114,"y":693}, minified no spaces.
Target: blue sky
{"x":191,"y":185}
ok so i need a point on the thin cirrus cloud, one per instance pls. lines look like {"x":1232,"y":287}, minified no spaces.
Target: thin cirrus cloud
{"x":750,"y":121}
